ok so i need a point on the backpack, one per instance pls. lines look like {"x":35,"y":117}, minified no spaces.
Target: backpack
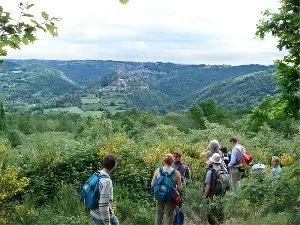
{"x":246,"y":158}
{"x":164,"y":186}
{"x":186,"y":170}
{"x":219,"y":182}
{"x":179,"y":217}
{"x":226,"y":158}
{"x":90,"y":193}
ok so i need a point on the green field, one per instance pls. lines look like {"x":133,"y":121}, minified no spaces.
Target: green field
{"x":89,"y":100}
{"x":73,"y":110}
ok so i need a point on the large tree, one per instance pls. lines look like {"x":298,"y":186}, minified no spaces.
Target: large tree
{"x":285,"y":25}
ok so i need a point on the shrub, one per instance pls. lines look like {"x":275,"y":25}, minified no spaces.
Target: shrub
{"x":262,"y":194}
{"x":14,"y":137}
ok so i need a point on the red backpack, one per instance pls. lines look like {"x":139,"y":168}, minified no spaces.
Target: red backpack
{"x":246,"y":158}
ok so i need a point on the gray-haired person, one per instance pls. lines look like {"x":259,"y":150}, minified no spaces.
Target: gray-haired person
{"x":213,"y":147}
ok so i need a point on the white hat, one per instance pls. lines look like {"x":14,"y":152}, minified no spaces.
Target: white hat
{"x":259,"y":167}
{"x":216,"y":158}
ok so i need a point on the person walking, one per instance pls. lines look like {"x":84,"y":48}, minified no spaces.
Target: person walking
{"x":236,"y":156}
{"x":179,"y":165}
{"x":164,"y":182}
{"x":103,"y":214}
{"x":216,"y":184}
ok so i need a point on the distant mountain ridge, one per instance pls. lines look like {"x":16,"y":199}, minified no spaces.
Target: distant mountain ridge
{"x":25,"y":83}
{"x":158,"y":87}
{"x":240,"y":92}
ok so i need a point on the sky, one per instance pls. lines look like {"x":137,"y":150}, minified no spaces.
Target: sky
{"x":179,"y":31}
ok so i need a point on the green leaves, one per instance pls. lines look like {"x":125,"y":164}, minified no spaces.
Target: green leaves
{"x":18,"y":32}
{"x":45,"y":15}
{"x":29,"y":6}
{"x":285,"y":26}
{"x":52,"y":29}
{"x":124,"y":1}
{"x":28,"y":15}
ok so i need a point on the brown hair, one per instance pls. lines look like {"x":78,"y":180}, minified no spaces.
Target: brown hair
{"x":109,"y":161}
{"x":168,"y":159}
{"x":233,"y":139}
{"x":177,"y":152}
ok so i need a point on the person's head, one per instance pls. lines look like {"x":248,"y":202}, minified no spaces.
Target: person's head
{"x":275,"y":161}
{"x":213,"y":146}
{"x":109,"y":163}
{"x":223,"y":149}
{"x":215,"y":159}
{"x":233,"y":141}
{"x":258,"y":168}
{"x":176,"y":155}
{"x":168,"y":159}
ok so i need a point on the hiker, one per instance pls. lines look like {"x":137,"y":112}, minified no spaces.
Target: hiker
{"x":234,"y":164}
{"x":258,"y":168}
{"x":216,"y":184}
{"x":275,"y":164}
{"x":183,"y":169}
{"x":226,"y":156}
{"x":213,"y":147}
{"x":163,"y":178}
{"x":185,"y":173}
{"x":103,"y":214}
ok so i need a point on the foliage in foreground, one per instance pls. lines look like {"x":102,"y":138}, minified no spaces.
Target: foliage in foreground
{"x":57,"y":154}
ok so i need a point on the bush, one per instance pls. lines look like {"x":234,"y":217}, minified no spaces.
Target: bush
{"x":65,"y":209}
{"x":262,"y":194}
{"x":14,"y":137}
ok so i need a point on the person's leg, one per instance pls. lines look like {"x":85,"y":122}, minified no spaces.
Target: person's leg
{"x":160,"y":206}
{"x":169,"y":214}
{"x":235,"y":176}
{"x":114,"y":220}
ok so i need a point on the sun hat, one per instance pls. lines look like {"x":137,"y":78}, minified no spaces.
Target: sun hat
{"x":216,"y":158}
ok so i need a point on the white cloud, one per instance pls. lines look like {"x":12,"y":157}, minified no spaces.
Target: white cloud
{"x":190,"y":31}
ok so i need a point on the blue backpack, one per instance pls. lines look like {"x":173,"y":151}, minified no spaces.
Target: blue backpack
{"x":90,"y":190}
{"x":164,"y":186}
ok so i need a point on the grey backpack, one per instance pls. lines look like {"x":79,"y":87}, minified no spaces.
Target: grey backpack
{"x":219,"y":182}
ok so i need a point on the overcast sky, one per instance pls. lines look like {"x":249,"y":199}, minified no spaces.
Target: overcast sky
{"x":182,"y":31}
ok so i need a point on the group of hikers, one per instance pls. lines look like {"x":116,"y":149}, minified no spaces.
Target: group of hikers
{"x":223,"y":172}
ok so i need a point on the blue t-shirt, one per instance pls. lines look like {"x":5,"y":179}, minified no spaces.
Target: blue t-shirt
{"x":276,"y":170}
{"x":236,"y":155}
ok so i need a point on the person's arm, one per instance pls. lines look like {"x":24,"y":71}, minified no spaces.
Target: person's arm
{"x":207,"y":183}
{"x":105,"y":196}
{"x":154,"y":178}
{"x":206,"y":190}
{"x":233,"y":158}
{"x":178,"y":181}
